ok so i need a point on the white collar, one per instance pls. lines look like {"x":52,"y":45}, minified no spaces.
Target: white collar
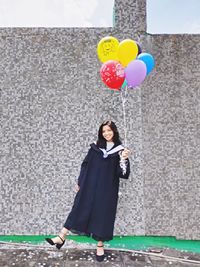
{"x":112,"y":151}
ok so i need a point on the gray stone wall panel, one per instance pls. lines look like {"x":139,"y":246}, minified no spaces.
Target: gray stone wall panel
{"x":170,"y":109}
{"x":53,"y":103}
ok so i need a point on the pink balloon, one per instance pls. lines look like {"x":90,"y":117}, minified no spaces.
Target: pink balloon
{"x":135,"y":72}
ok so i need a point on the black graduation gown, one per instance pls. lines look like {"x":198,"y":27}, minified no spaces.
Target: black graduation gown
{"x":94,"y":210}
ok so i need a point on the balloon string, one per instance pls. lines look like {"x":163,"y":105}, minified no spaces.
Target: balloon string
{"x":123,"y":98}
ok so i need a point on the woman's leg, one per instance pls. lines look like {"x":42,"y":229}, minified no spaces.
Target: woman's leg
{"x":62,"y":234}
{"x":100,"y":249}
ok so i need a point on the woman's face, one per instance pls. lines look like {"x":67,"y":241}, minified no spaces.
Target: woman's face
{"x":107,"y":133}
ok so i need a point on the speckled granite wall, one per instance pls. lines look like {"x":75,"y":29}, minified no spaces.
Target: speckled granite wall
{"x":52,"y":103}
{"x":171,"y":143}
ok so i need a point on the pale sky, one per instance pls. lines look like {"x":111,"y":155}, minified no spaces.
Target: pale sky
{"x":56,"y":13}
{"x":163,"y":16}
{"x":173,"y":16}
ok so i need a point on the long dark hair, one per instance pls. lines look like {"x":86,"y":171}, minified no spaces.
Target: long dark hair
{"x":101,"y":142}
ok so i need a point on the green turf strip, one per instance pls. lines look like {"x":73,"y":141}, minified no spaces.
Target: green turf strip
{"x":127,"y":242}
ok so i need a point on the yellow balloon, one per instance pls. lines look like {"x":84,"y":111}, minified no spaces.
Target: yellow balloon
{"x":107,"y":49}
{"x":127,"y":51}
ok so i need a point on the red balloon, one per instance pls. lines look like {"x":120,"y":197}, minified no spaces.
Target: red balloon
{"x":112,"y":74}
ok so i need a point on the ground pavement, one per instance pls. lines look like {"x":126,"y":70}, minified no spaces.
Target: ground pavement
{"x":73,"y":254}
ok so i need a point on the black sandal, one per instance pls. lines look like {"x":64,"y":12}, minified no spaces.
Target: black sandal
{"x":50,"y":241}
{"x":100,"y":257}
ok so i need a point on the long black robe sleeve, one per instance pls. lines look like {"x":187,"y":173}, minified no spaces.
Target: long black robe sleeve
{"x":120,"y":171}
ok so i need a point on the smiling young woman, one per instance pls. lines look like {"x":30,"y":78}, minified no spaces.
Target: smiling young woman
{"x":94,"y":209}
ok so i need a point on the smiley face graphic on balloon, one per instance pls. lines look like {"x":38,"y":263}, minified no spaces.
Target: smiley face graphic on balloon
{"x":108,"y":47}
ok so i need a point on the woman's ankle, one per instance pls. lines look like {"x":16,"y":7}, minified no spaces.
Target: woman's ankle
{"x":100,"y":243}
{"x":63,"y":233}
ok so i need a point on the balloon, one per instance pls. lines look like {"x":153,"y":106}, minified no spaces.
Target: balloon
{"x":112,"y":74}
{"x":148,"y":60}
{"x":124,"y":84}
{"x":135,"y":72}
{"x":139,"y":48}
{"x":127,"y":51}
{"x":107,"y":49}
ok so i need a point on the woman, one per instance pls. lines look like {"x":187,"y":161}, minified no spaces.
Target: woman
{"x":95,"y":204}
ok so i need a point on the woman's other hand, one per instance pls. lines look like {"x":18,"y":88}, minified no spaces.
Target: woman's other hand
{"x":125,"y":153}
{"x":77,"y":187}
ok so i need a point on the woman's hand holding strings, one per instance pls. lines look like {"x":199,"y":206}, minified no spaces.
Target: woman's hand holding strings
{"x":125,"y":153}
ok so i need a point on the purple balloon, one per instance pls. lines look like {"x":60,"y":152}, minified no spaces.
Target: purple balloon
{"x":135,"y":72}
